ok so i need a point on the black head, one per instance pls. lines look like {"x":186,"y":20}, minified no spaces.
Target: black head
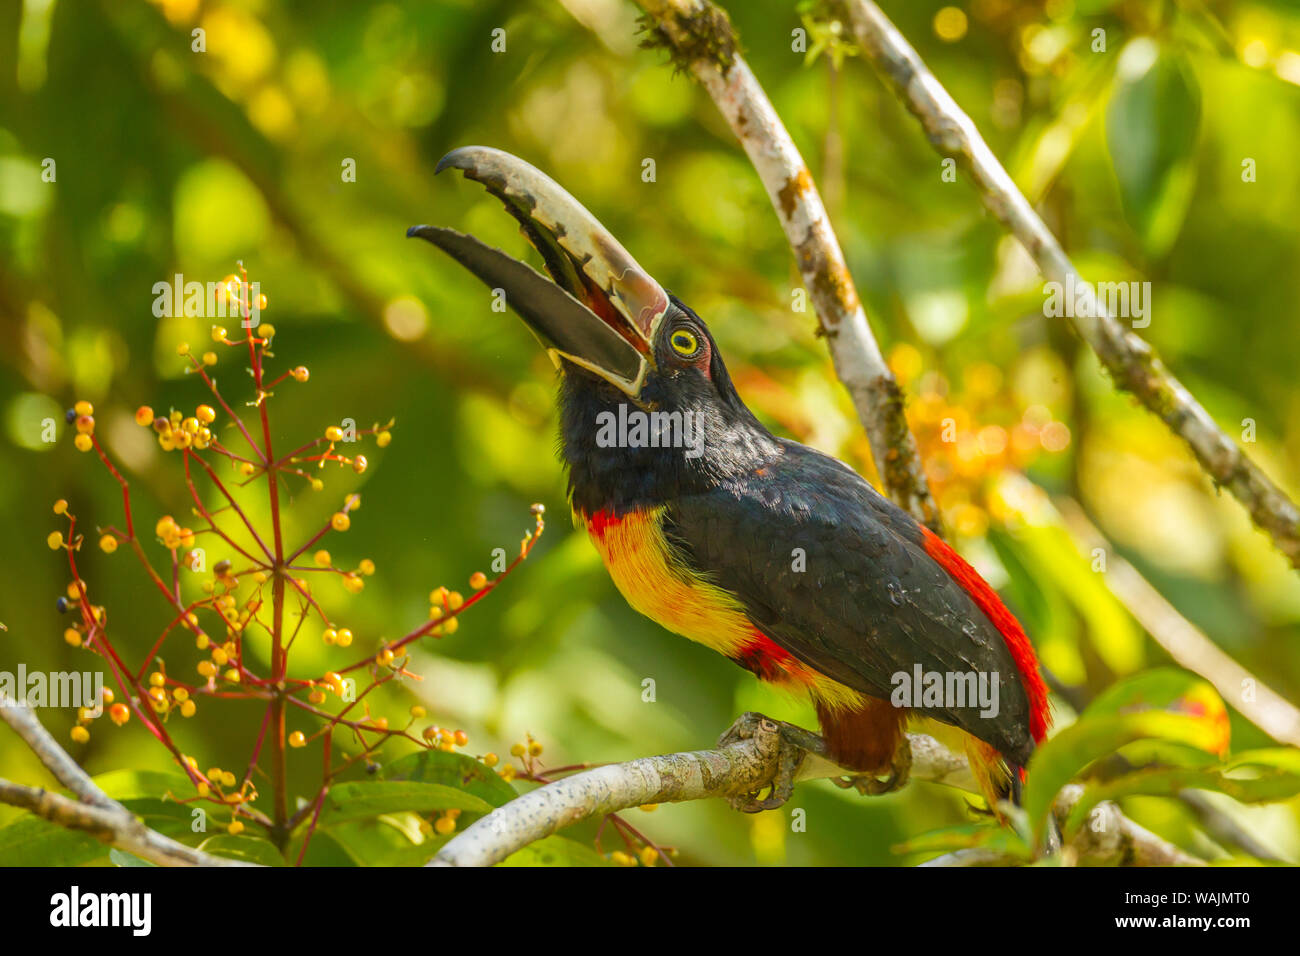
{"x":648,"y":411}
{"x":685,"y":431}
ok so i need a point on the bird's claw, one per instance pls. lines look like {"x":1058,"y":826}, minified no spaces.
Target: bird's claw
{"x":873,"y":786}
{"x":793,"y":744}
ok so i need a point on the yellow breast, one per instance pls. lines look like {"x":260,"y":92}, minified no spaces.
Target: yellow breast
{"x":638,"y":558}
{"x":681,"y":599}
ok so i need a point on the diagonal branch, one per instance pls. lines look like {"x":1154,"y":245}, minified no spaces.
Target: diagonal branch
{"x":1131,"y":361}
{"x":1184,"y":641}
{"x":701,"y":40}
{"x":94,"y":812}
{"x":745,"y":766}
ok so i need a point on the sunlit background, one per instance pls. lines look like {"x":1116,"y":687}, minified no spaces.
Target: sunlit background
{"x":172,"y":161}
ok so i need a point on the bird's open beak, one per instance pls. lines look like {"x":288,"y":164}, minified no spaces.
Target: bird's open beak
{"x":602,"y":309}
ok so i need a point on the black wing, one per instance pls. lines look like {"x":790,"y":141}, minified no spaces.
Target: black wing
{"x":869,"y":603}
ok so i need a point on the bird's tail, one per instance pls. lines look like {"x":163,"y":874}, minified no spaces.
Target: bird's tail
{"x":994,"y":778}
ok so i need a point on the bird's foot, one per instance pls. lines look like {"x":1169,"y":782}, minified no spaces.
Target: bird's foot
{"x":873,"y":786}
{"x":792,"y":743}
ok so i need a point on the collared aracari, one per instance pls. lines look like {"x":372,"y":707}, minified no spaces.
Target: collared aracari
{"x":773,"y":554}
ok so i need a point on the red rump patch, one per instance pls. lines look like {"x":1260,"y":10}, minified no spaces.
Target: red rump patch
{"x":987,"y":600}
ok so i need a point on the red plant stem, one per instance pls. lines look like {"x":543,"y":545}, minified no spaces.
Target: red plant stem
{"x":257,"y":746}
{"x":310,"y":600}
{"x":144,"y":666}
{"x":239,"y":422}
{"x":320,"y":797}
{"x":121,"y":672}
{"x":302,"y":619}
{"x":225,"y":494}
{"x":473,"y":599}
{"x":130,"y":524}
{"x":355,"y":725}
{"x":126,"y":489}
{"x":279,"y":768}
{"x":347,"y":506}
{"x":221,"y":449}
{"x":312,"y":540}
{"x":289,"y":458}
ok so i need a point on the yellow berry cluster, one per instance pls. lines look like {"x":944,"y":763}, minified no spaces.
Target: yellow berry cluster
{"x":440,"y":738}
{"x":526,"y":751}
{"x":223,"y":786}
{"x":337,"y":636}
{"x":237,"y":595}
{"x":334,"y":434}
{"x":82,"y":417}
{"x":332,"y":681}
{"x":81,"y":730}
{"x":646,"y":856}
{"x":172,"y":535}
{"x":178,"y":431}
{"x":441,"y":603}
{"x":164,"y":699}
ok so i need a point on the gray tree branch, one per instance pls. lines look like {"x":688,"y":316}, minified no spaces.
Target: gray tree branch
{"x":93,"y":811}
{"x":743,"y":767}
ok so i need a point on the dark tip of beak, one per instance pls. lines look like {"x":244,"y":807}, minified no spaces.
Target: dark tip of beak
{"x":421,"y":232}
{"x":460,"y":158}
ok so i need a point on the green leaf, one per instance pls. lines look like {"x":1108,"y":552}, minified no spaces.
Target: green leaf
{"x":1151,"y":130}
{"x":965,"y":837}
{"x":249,"y":849}
{"x":453,"y":770}
{"x":324,"y":850}
{"x":122,"y":858}
{"x":143,"y":784}
{"x":1165,"y":688}
{"x":1270,"y":775}
{"x":1164,"y":704}
{"x":359,"y":800}
{"x":31,"y":841}
{"x":376,"y":843}
{"x":555,"y":851}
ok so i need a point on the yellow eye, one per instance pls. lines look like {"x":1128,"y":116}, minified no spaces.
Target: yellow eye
{"x":684,"y":343}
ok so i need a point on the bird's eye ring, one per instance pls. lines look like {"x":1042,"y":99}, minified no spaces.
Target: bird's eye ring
{"x":684,"y":342}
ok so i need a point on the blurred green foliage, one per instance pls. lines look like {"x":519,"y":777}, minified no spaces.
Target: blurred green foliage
{"x":1169,"y":156}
